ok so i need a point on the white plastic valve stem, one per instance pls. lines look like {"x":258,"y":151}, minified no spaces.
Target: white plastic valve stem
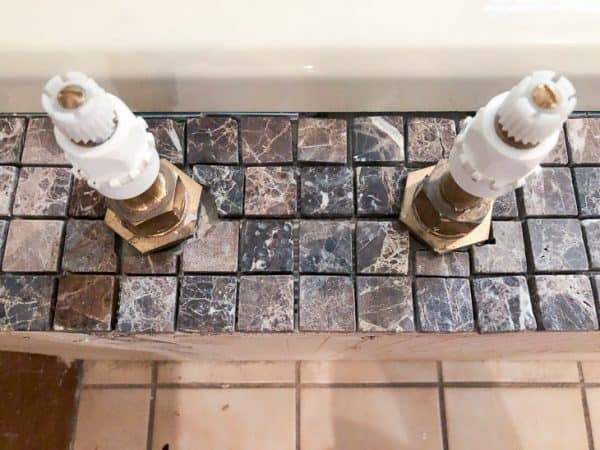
{"x":106,"y":144}
{"x":485,"y":165}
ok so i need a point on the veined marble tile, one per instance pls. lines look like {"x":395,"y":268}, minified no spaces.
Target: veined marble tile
{"x":325,"y":246}
{"x":452,"y":264}
{"x":86,"y":202}
{"x":382,"y":247}
{"x":32,"y":246}
{"x":326,"y":191}
{"x":12,"y":130}
{"x":226,"y":185}
{"x":557,"y":245}
{"x":8,"y":183}
{"x":385,"y":304}
{"x":505,"y":206}
{"x":379,"y":190}
{"x":25,"y":302}
{"x":267,"y":246}
{"x":266,"y":303}
{"x":584,"y":137}
{"x":549,"y":192}
{"x":378,"y":138}
{"x":89,"y":247}
{"x":162,"y":262}
{"x":169,"y":136}
{"x":42,"y":191}
{"x":591,"y":228}
{"x":214,"y":248}
{"x":326,"y":303}
{"x":588,"y":182}
{"x":430,"y":139}
{"x":266,"y":139}
{"x":507,"y":255}
{"x":40,"y":145}
{"x":212,"y":140}
{"x":444,"y":304}
{"x":558,"y":155}
{"x":322,"y":140}
{"x":270,"y":191}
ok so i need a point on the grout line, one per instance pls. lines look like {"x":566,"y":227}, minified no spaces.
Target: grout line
{"x":298,"y":404}
{"x":442,"y":405}
{"x":77,"y":399}
{"x":152,"y":409}
{"x":586,"y":409}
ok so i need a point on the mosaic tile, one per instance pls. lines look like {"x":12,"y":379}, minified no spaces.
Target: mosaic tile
{"x":503,"y":304}
{"x":214,"y":248}
{"x":226,"y":185}
{"x":3,"y":231}
{"x":326,"y":191}
{"x":558,"y":155}
{"x":85,"y":303}
{"x":12,"y":130}
{"x":42,"y":191}
{"x":86,"y":201}
{"x":169,"y":136}
{"x":505,"y":206}
{"x":266,"y":303}
{"x":549,"y":191}
{"x":507,"y":255}
{"x":378,"y":138}
{"x":89,"y":247}
{"x":32,"y":246}
{"x":322,"y":140}
{"x":385,"y":304}
{"x":212,"y":140}
{"x":557,"y":245}
{"x":40,"y":146}
{"x":162,"y":262}
{"x":429,"y":139}
{"x":326,"y":303}
{"x":566,"y":302}
{"x":207,"y":304}
{"x":8,"y":183}
{"x":267,"y":246}
{"x":25,"y":302}
{"x":584,"y":138}
{"x":588,"y":180}
{"x":379,"y":190}
{"x":266,"y":140}
{"x":325,"y":247}
{"x":444,"y":304}
{"x":381,"y":247}
{"x":591,"y":229}
{"x":270,"y":191}
{"x":453,"y":264}
{"x":147,"y":304}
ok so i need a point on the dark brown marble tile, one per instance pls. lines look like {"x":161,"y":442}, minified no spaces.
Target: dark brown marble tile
{"x":557,"y":245}
{"x":444,"y":304}
{"x":32,"y":246}
{"x":266,"y":303}
{"x":591,"y":229}
{"x":3,"y":231}
{"x":25,"y":302}
{"x":588,"y":182}
{"x":378,"y":138}
{"x":8,"y":183}
{"x":382,"y":247}
{"x":12,"y":131}
{"x":89,"y":247}
{"x":207,"y":304}
{"x":549,"y":192}
{"x":267,"y":246}
{"x":214,"y":248}
{"x":169,"y":136}
{"x":505,"y":206}
{"x":147,"y":304}
{"x":325,"y":246}
{"x":270,"y":191}
{"x":584,"y":138}
{"x":40,"y":145}
{"x":162,"y":262}
{"x":506,"y":255}
{"x":453,"y":264}
{"x":42,"y":191}
{"x":326,"y":191}
{"x":379,"y":190}
{"x":385,"y":304}
{"x":266,"y":140}
{"x":225,"y":185}
{"x":429,"y":139}
{"x":85,"y":303}
{"x":558,"y":155}
{"x":326,"y":303}
{"x":322,"y":140}
{"x":86,"y":201}
{"x":212,"y":140}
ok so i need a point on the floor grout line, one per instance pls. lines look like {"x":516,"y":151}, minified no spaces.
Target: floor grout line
{"x":442,"y":405}
{"x":586,"y":409}
{"x":152,"y":409}
{"x":298,"y":403}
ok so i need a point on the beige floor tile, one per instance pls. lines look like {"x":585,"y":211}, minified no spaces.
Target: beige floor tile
{"x":512,"y":371}
{"x":234,"y":372}
{"x":370,"y":418}
{"x":236,"y":419}
{"x":515,"y":418}
{"x":367,"y":372}
{"x":112,"y":419}
{"x":593,"y":399}
{"x":117,"y":372}
{"x":591,"y":371}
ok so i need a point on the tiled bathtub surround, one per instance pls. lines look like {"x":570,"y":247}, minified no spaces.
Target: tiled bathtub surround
{"x":299,"y":233}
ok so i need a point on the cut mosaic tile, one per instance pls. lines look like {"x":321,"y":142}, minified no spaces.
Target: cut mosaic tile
{"x":588,"y":180}
{"x":212,"y":140}
{"x":549,"y":192}
{"x":326,"y":303}
{"x":25,"y":302}
{"x":267,"y":246}
{"x":429,"y":139}
{"x":378,"y":138}
{"x":379,"y":190}
{"x":505,"y":206}
{"x":566,"y":302}
{"x":32,"y":246}
{"x":591,"y":229}
{"x":584,"y":137}
{"x":40,"y":145}
{"x":503,"y":304}
{"x":162,"y":262}
{"x":89,"y":247}
{"x":557,"y":245}
{"x":453,"y":264}
{"x":270,"y":191}
{"x":326,"y":191}
{"x":325,"y":246}
{"x":381,"y":247}
{"x":214,"y":248}
{"x":226,"y":185}
{"x":266,"y":140}
{"x":558,"y":155}
{"x":12,"y":131}
{"x":3,"y":231}
{"x":507,"y":255}
{"x":169,"y":136}
{"x":147,"y":304}
{"x":8,"y":183}
{"x":42,"y":191}
{"x":444,"y":304}
{"x":207,"y":304}
{"x":86,"y":202}
{"x":385,"y":304}
{"x":266,"y":303}
{"x":322,"y":140}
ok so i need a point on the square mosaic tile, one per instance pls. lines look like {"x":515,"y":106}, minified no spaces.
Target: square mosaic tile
{"x":32,"y":246}
{"x":429,"y":139}
{"x":584,"y":137}
{"x":12,"y":133}
{"x":326,"y":303}
{"x":444,"y":304}
{"x":322,"y":140}
{"x":452,"y":264}
{"x":267,"y":246}
{"x":225,"y":185}
{"x":588,"y":180}
{"x":86,"y":202}
{"x":214,"y":248}
{"x":42,"y":191}
{"x":507,"y":255}
{"x":169,"y":136}
{"x":212,"y":140}
{"x":266,"y":303}
{"x":270,"y":191}
{"x":591,"y":230}
{"x":549,"y":192}
{"x":162,"y":262}
{"x":381,"y":247}
{"x":558,"y":155}
{"x":557,"y":245}
{"x":25,"y":302}
{"x":379,"y":190}
{"x":266,"y":140}
{"x":40,"y":145}
{"x":326,"y":191}
{"x":89,"y":247}
{"x":378,"y":138}
{"x":505,"y":206}
{"x":8,"y":183}
{"x":3,"y":231}
{"x":325,"y":246}
{"x":385,"y":304}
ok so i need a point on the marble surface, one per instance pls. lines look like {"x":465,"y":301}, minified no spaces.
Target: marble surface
{"x":452,"y":264}
{"x":444,"y":305}
{"x":266,"y":303}
{"x":505,"y":206}
{"x":503,"y":304}
{"x":4,"y":224}
{"x":381,"y":247}
{"x":566,"y":302}
{"x":267,"y":246}
{"x":225,"y":185}
{"x":42,"y":191}
{"x":326,"y":303}
{"x":588,"y":180}
{"x":557,"y":245}
{"x":591,"y":230}
{"x":549,"y":192}
{"x":212,"y":140}
{"x":162,"y":262}
{"x":270,"y":191}
{"x":506,"y":255}
{"x":40,"y":146}
{"x":12,"y":133}
{"x":584,"y":137}
{"x":32,"y":246}
{"x":325,"y":246}
{"x":25,"y":302}
{"x":322,"y":140}
{"x":379,"y":190}
{"x":169,"y":136}
{"x":385,"y":304}
{"x":429,"y":139}
{"x":378,"y":138}
{"x":214,"y":248}
{"x":86,"y":202}
{"x":8,"y":183}
{"x":89,"y":247}
{"x":207,"y":304}
{"x":266,"y":140}
{"x":558,"y":155}
{"x":326,"y":191}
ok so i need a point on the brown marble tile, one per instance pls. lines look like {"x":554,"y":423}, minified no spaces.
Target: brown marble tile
{"x":557,"y":245}
{"x":212,"y":140}
{"x":325,"y":246}
{"x":32,"y":246}
{"x":225,"y":185}
{"x":266,"y":140}
{"x":169,"y":136}
{"x":429,"y":139}
{"x":89,"y":247}
{"x":270,"y":191}
{"x":444,"y":304}
{"x":382,"y":247}
{"x":86,"y":201}
{"x":85,"y":303}
{"x":584,"y":137}
{"x":214,"y":248}
{"x":162,"y":262}
{"x":591,"y":229}
{"x":40,"y":146}
{"x":207,"y":304}
{"x":378,"y":138}
{"x":507,"y":255}
{"x":266,"y":303}
{"x":326,"y":303}
{"x":25,"y":302}
{"x":379,"y":190}
{"x":8,"y":183}
{"x":558,"y":155}
{"x":322,"y":140}
{"x":267,"y":246}
{"x":385,"y":304}
{"x":3,"y":231}
{"x":12,"y":131}
{"x":549,"y":192}
{"x":588,"y":180}
{"x":453,"y":264}
{"x":505,"y":206}
{"x":327,"y":191}
{"x":42,"y":191}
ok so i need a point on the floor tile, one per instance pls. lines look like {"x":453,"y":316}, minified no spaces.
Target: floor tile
{"x":322,"y":140}
{"x":42,"y":191}
{"x":214,"y":248}
{"x":8,"y":184}
{"x":270,"y":191}
{"x":429,"y":139}
{"x":169,"y":136}
{"x":116,"y":372}
{"x":379,"y":190}
{"x":584,"y":137}
{"x":385,"y":304}
{"x":557,"y":245}
{"x":226,"y":186}
{"x":326,"y":191}
{"x":326,"y":303}
{"x":212,"y":140}
{"x":32,"y":246}
{"x":266,"y":140}
{"x":558,"y":155}
{"x":444,"y":304}
{"x":588,"y":180}
{"x":12,"y":130}
{"x":377,"y":418}
{"x":25,"y":302}
{"x":382,"y":247}
{"x":591,"y":229}
{"x":325,"y":246}
{"x":266,"y":303}
{"x":593,"y":399}
{"x":452,"y":264}
{"x":591,"y":371}
{"x":123,"y":415}
{"x":506,"y":255}
{"x":378,"y":138}
{"x":89,"y":247}
{"x":505,"y":206}
{"x":511,"y":371}
{"x":161,"y":262}
{"x":40,"y":145}
{"x":239,"y":427}
{"x":227,"y":372}
{"x":267,"y":246}
{"x":368,"y":372}
{"x":515,"y":418}
{"x":86,"y":202}
{"x":549,"y":192}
